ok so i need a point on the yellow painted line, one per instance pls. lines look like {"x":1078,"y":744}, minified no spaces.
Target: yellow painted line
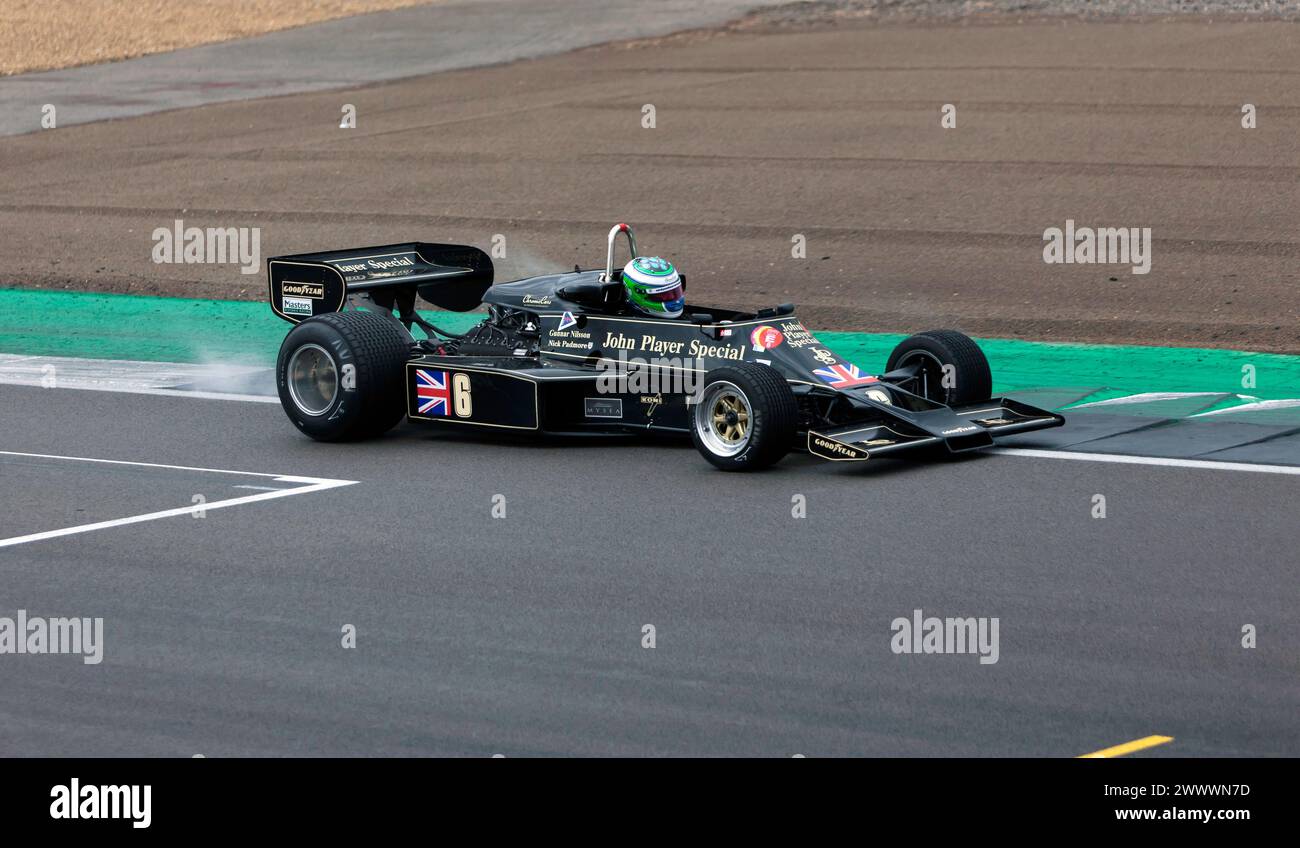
{"x":1127,"y":747}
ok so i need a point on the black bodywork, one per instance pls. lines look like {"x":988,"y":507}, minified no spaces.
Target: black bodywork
{"x":544,"y":357}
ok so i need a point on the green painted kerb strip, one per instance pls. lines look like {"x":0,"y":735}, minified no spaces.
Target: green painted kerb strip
{"x":155,"y":329}
{"x":111,"y":326}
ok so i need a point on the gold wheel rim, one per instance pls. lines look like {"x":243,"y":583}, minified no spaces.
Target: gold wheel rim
{"x":724,"y":419}
{"x":730,"y":417}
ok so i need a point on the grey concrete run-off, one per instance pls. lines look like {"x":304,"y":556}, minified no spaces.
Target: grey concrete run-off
{"x":347,"y":52}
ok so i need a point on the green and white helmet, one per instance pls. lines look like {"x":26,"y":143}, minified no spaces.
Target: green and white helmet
{"x":654,"y":287}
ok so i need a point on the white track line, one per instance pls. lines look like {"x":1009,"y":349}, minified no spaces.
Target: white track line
{"x":156,"y":465}
{"x":145,"y":390}
{"x":1258,"y":406}
{"x":126,"y":376}
{"x":308,"y":486}
{"x":1163,"y":461}
{"x":1151,"y":397}
{"x":179,"y":393}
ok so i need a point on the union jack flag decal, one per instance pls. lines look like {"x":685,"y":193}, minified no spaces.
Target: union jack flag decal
{"x":431,"y":392}
{"x":842,"y":375}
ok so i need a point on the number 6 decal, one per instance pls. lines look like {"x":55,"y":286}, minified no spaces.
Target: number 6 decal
{"x":460,"y":396}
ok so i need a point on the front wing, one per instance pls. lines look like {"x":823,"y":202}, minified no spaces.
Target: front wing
{"x":890,"y":430}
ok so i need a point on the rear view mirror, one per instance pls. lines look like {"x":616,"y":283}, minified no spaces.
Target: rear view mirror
{"x":588,"y":294}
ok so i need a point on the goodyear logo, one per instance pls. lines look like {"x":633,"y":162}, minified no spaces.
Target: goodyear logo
{"x":834,"y":448}
{"x":312,"y":290}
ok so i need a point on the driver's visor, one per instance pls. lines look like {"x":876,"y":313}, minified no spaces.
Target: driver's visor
{"x":667,"y":295}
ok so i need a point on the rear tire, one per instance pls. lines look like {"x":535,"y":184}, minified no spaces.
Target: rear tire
{"x":746,"y":418}
{"x":935,"y":351}
{"x":341,"y":375}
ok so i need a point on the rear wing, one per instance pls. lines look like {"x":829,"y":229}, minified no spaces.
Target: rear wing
{"x":451,"y":276}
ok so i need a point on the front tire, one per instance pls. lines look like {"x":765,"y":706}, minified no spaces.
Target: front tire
{"x":746,"y":417}
{"x":953,"y":369}
{"x":341,"y":375}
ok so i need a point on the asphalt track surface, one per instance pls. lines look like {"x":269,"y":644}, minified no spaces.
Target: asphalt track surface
{"x":760,"y":135}
{"x":522,"y":635}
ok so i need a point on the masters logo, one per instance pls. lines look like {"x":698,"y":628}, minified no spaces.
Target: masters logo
{"x":300,"y":306}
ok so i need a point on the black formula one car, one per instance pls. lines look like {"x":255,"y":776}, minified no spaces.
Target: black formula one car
{"x":567,"y":354}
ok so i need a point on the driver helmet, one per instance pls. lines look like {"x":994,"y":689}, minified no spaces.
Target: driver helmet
{"x":654,"y":287}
